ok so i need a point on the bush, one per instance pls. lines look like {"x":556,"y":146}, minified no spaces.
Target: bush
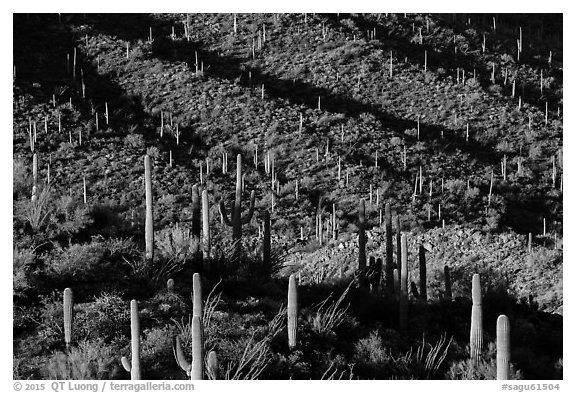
{"x":89,"y":360}
{"x":78,"y":262}
{"x":135,"y":141}
{"x":22,"y":270}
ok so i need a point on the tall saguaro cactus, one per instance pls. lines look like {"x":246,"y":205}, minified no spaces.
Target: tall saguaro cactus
{"x":389,"y":250}
{"x":195,"y":212}
{"x":237,"y":220}
{"x":68,"y":315}
{"x":502,"y":347}
{"x":205,"y":226}
{"x":266,"y":249}
{"x":404,"y":285}
{"x":398,"y":242}
{"x":196,"y":295}
{"x":149,"y":225}
{"x":422,"y":260}
{"x":362,"y":236}
{"x":197,"y":349}
{"x":292,"y":311}
{"x":476,"y":330}
{"x":133,"y":367}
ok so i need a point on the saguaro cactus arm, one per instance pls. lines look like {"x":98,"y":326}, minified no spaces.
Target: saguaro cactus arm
{"x":180,"y":357}
{"x":246,"y":219}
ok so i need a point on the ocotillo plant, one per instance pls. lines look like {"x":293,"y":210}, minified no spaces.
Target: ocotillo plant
{"x":196,"y":295}
{"x":389,"y":250}
{"x":404,"y":285}
{"x":212,"y":365}
{"x":237,"y":220}
{"x":361,"y":236}
{"x":205,"y":227}
{"x":447,"y":283}
{"x":68,"y":315}
{"x":422,"y":259}
{"x":149,"y":225}
{"x":195,"y":212}
{"x":266,"y":246}
{"x":133,"y":367}
{"x":476,"y":331}
{"x":292,"y":311}
{"x":502,"y":347}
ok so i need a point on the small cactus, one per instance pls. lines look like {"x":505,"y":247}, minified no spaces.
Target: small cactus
{"x":476,"y":331}
{"x":133,"y":367}
{"x":502,"y":348}
{"x":149,"y":225}
{"x":292,"y":311}
{"x":170,"y":285}
{"x":196,"y":295}
{"x":68,"y":316}
{"x":212,"y":365}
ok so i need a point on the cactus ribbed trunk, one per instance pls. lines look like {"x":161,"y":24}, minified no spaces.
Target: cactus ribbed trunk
{"x":205,"y":226}
{"x":135,"y":341}
{"x":447,"y":283}
{"x":196,"y":295}
{"x":404,"y":285}
{"x":396,"y":274}
{"x":476,"y":330}
{"x":292,"y":311}
{"x":389,"y":250}
{"x":398,"y":242}
{"x":149,"y":225}
{"x":266,"y":247}
{"x":197,"y":372}
{"x":68,"y":315}
{"x":502,"y":348}
{"x":422,"y":259}
{"x":361,"y":236}
{"x":195,"y":212}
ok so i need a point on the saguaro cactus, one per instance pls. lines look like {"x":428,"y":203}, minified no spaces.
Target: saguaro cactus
{"x":149,"y":225}
{"x":398,"y":242}
{"x":237,"y":220}
{"x":476,"y":331}
{"x":266,"y":247}
{"x":389,"y":250}
{"x":361,"y":236}
{"x":68,"y":315}
{"x":212,"y":365}
{"x":196,"y":295}
{"x":447,"y":283}
{"x":134,"y":367}
{"x":422,"y":259}
{"x":292,"y":311}
{"x":205,"y":226}
{"x":502,"y":347}
{"x":404,"y":285}
{"x":195,"y":212}
{"x":197,"y":349}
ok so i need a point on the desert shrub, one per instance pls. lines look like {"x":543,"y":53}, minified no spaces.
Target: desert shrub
{"x":78,"y":262}
{"x":468,"y":369}
{"x":89,"y":360}
{"x":68,"y":217}
{"x":153,"y":152}
{"x":21,"y":180}
{"x":329,"y":315}
{"x":135,"y":141}
{"x":156,"y":350}
{"x":106,"y":318}
{"x":176,"y":243}
{"x":35,"y":212}
{"x":22,"y":262}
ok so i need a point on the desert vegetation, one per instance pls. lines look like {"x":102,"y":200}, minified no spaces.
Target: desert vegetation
{"x":287,"y":196}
